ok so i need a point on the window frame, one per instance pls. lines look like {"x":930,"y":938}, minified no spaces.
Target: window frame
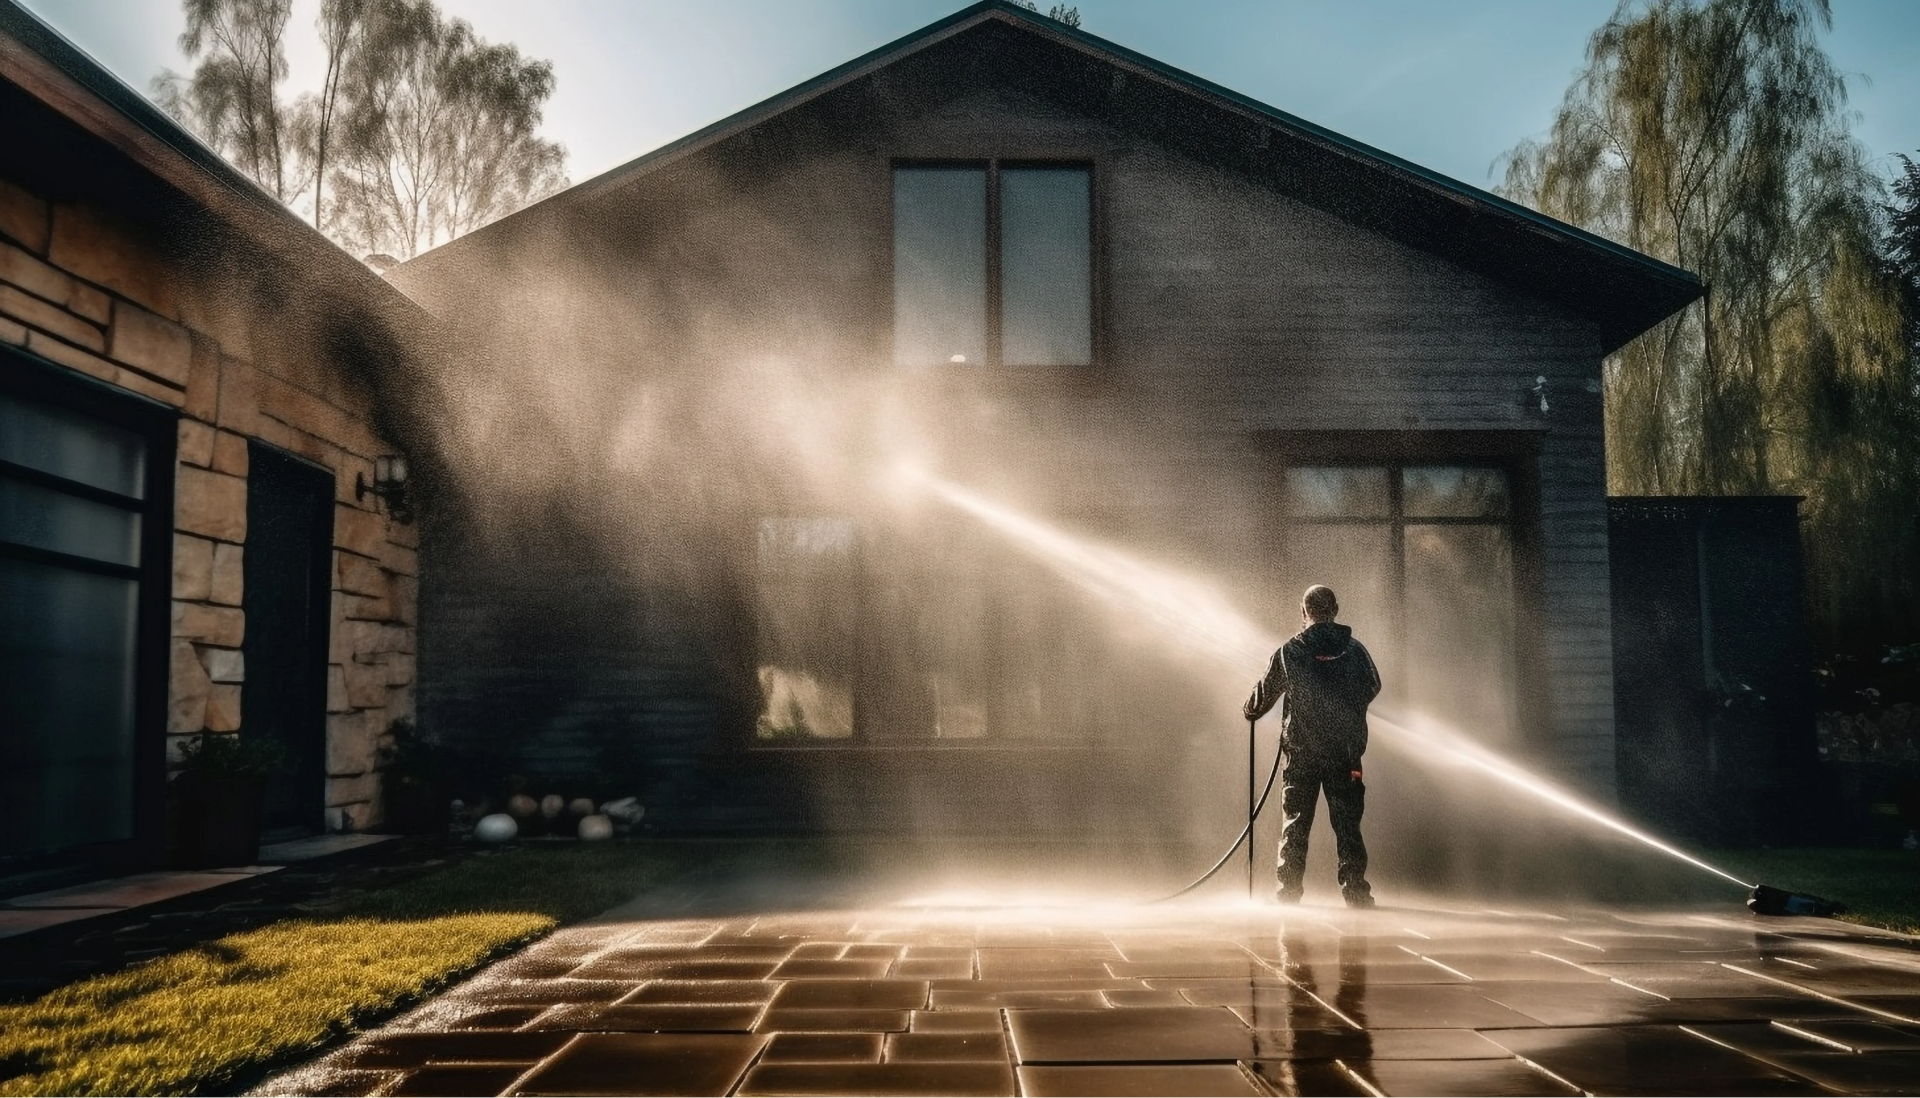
{"x":1516,"y":453}
{"x":30,"y":377}
{"x":995,"y":364}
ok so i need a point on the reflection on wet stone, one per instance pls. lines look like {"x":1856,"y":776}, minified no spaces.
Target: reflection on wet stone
{"x":1154,"y":1001}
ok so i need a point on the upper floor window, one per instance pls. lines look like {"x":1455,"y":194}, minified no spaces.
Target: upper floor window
{"x":992,"y":264}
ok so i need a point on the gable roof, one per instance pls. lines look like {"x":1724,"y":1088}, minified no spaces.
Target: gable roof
{"x":1624,"y":292}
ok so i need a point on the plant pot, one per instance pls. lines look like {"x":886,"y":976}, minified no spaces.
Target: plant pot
{"x":415,"y":808}
{"x":219,"y":821}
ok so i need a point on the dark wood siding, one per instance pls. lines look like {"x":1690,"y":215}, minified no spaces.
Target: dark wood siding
{"x":651,"y":336}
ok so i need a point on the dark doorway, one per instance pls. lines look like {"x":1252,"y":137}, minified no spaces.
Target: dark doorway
{"x":288,"y":561}
{"x":1713,"y":699}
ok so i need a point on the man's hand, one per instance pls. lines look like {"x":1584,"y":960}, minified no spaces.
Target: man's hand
{"x":1355,"y":773}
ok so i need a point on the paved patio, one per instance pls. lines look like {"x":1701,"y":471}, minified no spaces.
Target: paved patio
{"x":774,"y":989}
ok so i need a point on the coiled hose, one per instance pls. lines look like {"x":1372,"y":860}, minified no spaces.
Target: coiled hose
{"x":1246,"y":833}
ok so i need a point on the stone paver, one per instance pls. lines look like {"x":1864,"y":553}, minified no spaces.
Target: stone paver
{"x":1168,"y":999}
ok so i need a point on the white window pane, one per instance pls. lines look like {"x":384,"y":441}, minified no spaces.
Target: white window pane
{"x":1046,"y":271}
{"x":1452,"y":491}
{"x":47,"y":519}
{"x":939,"y":266}
{"x":1337,"y":491}
{"x":805,"y":596}
{"x":1460,"y":627}
{"x":1356,"y":560}
{"x":67,"y":444}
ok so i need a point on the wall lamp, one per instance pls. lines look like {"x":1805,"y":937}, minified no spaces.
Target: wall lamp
{"x":389,"y":486}
{"x":1538,"y":392}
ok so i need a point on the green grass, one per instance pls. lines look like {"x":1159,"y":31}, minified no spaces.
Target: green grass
{"x":207,"y":1017}
{"x":563,"y":881}
{"x":1880,"y":887}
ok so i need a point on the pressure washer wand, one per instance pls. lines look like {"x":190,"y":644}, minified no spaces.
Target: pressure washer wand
{"x":1245,"y":836}
{"x":1251,"y":726}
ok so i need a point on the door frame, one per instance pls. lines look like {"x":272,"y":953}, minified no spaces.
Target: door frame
{"x":1517,"y":452}
{"x":31,"y":377}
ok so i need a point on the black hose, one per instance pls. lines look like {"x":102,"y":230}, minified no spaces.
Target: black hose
{"x":1246,"y":835}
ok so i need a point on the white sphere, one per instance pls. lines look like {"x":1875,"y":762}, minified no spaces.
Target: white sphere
{"x":552,"y":804}
{"x":497,"y":828}
{"x":596,"y":827}
{"x":581,"y":806}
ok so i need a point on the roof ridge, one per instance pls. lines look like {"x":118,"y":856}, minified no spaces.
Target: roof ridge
{"x":1010,"y":11}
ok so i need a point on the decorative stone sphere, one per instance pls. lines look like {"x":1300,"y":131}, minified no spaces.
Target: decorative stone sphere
{"x":581,"y":806}
{"x":497,"y":828}
{"x":596,"y":827}
{"x":522,"y":806}
{"x":552,"y":805}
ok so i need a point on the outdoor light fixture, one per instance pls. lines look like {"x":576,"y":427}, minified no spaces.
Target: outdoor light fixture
{"x":389,"y":485}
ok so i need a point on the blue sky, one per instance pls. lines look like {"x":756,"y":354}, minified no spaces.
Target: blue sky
{"x":1447,"y":85}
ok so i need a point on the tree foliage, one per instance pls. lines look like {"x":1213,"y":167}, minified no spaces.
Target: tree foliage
{"x":342,"y":26}
{"x":1713,"y":135}
{"x":233,"y":100}
{"x":1903,"y":244}
{"x":419,"y":132}
{"x":1060,"y":13}
{"x":439,"y":132}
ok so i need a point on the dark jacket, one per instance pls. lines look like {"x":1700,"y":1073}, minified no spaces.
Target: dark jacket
{"x":1328,"y":680}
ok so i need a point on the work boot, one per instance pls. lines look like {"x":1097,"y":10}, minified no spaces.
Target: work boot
{"x":1288,"y":897}
{"x":1360,"y":899}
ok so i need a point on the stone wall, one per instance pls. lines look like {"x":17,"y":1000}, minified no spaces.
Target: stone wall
{"x":243,"y":354}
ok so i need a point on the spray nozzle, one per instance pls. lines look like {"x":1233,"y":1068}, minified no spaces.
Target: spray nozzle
{"x":1767,"y":900}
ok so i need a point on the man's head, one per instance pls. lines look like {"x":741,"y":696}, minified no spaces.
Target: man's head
{"x":1318,"y":604}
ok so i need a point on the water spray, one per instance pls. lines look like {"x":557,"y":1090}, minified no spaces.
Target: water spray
{"x":1202,"y":621}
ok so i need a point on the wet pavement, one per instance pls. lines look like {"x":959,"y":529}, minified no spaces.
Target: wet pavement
{"x":784,"y":993}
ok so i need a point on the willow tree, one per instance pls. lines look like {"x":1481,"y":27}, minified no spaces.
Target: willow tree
{"x":1713,"y":135}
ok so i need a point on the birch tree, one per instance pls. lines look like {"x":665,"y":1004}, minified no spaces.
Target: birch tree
{"x":419,"y":132}
{"x":439,"y":132}
{"x":233,"y":98}
{"x":342,"y":26}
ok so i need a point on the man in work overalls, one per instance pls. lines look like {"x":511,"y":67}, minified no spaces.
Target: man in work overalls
{"x":1327,"y":680}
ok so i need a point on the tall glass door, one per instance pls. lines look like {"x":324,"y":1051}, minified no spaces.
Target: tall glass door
{"x":1422,"y":558}
{"x":75,"y":549}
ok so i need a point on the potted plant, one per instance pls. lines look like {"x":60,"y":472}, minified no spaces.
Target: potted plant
{"x":220,"y":790}
{"x":413,"y":777}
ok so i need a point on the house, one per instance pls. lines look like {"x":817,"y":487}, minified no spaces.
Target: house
{"x":872,"y":459}
{"x":194,"y":395}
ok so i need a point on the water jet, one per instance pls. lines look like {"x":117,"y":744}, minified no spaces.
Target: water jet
{"x":1197,"y":618}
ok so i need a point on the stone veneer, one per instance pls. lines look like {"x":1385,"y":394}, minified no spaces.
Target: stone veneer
{"x":92,"y":292}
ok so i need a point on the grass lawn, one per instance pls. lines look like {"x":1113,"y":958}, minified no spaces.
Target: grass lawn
{"x":1880,"y":887}
{"x":208,"y":1018}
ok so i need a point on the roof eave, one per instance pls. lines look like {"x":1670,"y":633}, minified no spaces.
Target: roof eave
{"x":51,"y":69}
{"x":1672,"y":284}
